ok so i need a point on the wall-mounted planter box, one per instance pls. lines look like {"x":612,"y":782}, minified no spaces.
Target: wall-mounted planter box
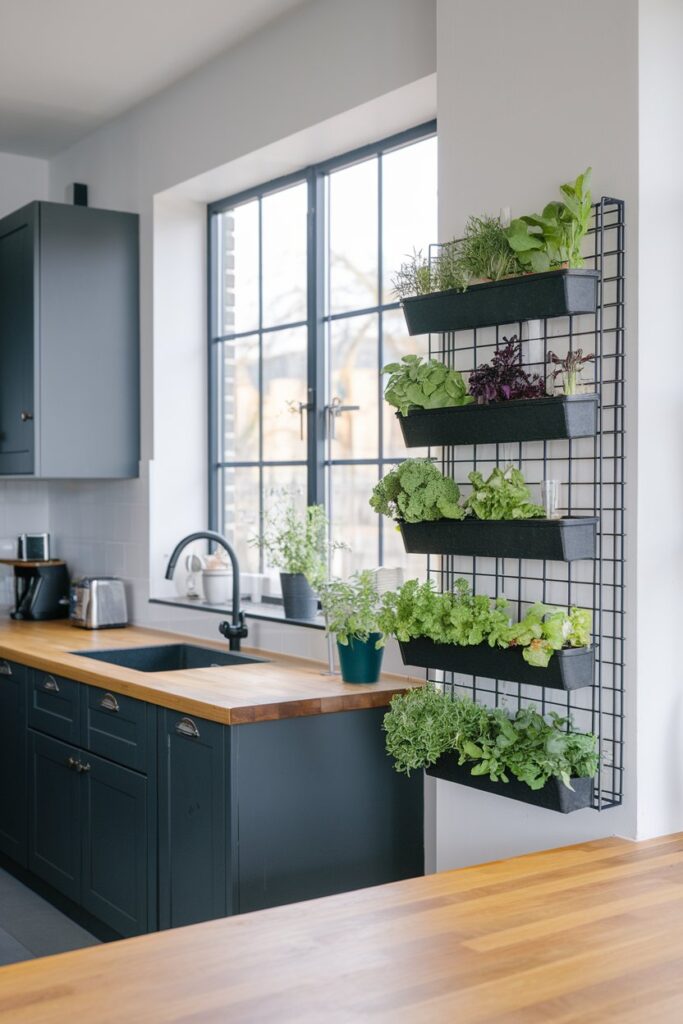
{"x":559,"y":540}
{"x":554,"y":796}
{"x":527,"y":419}
{"x":570,"y":669}
{"x":530,"y":297}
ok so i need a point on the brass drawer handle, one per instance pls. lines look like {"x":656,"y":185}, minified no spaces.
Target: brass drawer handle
{"x":186,"y":727}
{"x":51,"y":685}
{"x":5,"y":668}
{"x":109,"y":702}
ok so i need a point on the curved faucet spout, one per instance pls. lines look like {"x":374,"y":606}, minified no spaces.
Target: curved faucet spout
{"x":235,"y":630}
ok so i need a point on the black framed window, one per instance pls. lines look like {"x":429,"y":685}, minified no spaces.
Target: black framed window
{"x":301,"y":319}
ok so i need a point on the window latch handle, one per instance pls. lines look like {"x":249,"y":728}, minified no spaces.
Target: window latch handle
{"x":334,"y":411}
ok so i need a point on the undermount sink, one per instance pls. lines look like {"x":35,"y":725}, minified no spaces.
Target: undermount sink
{"x":169,"y":657}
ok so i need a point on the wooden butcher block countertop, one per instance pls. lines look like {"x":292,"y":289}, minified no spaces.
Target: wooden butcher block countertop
{"x":589,"y":933}
{"x":282,"y":687}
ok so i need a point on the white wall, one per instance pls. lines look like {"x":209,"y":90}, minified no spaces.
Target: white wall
{"x":266,"y":97}
{"x":529,"y":94}
{"x":660,"y":423}
{"x":23,"y":504}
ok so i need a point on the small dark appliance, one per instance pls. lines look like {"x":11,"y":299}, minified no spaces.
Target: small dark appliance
{"x":41,"y":592}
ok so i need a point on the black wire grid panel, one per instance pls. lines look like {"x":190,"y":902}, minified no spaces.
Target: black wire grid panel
{"x":592,"y":475}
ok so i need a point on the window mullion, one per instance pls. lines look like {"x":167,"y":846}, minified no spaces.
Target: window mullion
{"x":316,"y":362}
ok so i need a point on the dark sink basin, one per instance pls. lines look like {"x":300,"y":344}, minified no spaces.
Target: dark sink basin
{"x":169,"y":657}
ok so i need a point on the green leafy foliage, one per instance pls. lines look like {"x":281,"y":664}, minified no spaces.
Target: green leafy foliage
{"x":484,"y":251}
{"x":425,"y":723}
{"x":460,"y":617}
{"x":351,"y":607}
{"x":553,"y":238}
{"x":414,"y":383}
{"x":503,"y":495}
{"x":416,"y":491}
{"x":297,"y":543}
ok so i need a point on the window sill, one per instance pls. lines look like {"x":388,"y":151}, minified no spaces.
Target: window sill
{"x":264,"y":612}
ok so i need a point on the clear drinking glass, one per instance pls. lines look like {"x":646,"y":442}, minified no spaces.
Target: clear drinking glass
{"x":550,"y":498}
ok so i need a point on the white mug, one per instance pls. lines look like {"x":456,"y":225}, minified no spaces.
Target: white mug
{"x":217,"y":586}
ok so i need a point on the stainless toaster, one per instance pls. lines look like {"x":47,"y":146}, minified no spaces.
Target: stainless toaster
{"x":98,"y":602}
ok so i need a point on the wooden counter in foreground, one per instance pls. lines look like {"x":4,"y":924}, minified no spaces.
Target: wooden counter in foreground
{"x":282,"y":687}
{"x":589,"y":933}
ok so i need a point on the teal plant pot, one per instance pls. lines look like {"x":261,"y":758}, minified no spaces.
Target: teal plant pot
{"x":360,"y":661}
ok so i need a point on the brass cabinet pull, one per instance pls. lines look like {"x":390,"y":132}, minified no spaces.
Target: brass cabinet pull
{"x":26,"y":416}
{"x":72,"y":763}
{"x":186,"y":727}
{"x":5,"y":668}
{"x":109,"y":702}
{"x":51,"y":685}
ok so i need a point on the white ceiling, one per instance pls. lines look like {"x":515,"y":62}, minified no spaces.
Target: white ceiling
{"x":67,"y":66}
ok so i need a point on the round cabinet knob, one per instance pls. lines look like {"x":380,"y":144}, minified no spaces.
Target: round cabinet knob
{"x":25,"y":416}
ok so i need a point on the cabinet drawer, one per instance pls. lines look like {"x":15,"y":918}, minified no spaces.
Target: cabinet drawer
{"x":117,"y":727}
{"x":55,"y":706}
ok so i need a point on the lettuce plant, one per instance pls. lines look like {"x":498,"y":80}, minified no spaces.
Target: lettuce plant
{"x":503,"y":495}
{"x":416,"y":491}
{"x":425,"y":723}
{"x":465,"y":619}
{"x":415,"y":384}
{"x":553,"y":238}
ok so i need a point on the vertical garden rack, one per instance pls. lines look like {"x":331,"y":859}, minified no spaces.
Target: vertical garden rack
{"x":592,"y":472}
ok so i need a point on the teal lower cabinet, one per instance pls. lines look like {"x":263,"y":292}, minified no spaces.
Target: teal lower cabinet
{"x":55,"y":849}
{"x":308,"y":807}
{"x":13,"y":762}
{"x":116,"y":846}
{"x":194,"y":849}
{"x":320,"y":809}
{"x":146,"y":818}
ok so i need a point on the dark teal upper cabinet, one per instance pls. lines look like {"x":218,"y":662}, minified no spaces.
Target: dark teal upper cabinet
{"x":69,"y":342}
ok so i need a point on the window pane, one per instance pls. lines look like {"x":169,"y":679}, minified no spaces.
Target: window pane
{"x":240,"y":258}
{"x":398,"y":343}
{"x":353,"y":361}
{"x":284,"y":230}
{"x":352,"y":519}
{"x":282,"y":485}
{"x":284,"y":387}
{"x":409,"y":214}
{"x":394,"y":554}
{"x":241,"y":513}
{"x":352,"y":197}
{"x":241,"y":399}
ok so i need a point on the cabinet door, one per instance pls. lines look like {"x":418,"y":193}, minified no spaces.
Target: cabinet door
{"x":115,"y":845}
{"x":192,"y":820}
{"x":17,"y":341}
{"x":13,"y":812}
{"x":54,"y":813}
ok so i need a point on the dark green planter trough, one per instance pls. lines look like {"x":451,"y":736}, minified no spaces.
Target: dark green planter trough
{"x":360,"y":661}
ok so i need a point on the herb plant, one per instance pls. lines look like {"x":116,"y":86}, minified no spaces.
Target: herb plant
{"x":296,"y":543}
{"x":414,"y":383}
{"x":416,"y":491}
{"x":569,"y":369}
{"x":553,"y":238}
{"x":503,"y":495}
{"x":465,"y":619}
{"x":351,"y":607}
{"x":425,"y":723}
{"x":485,"y":253}
{"x":504,"y":378}
{"x":414,"y":277}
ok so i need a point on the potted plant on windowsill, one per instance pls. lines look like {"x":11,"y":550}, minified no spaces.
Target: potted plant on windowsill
{"x":497,"y":520}
{"x":297,"y":544}
{"x":351,"y":609}
{"x":525,"y":756}
{"x":529,"y":270}
{"x":462,"y":632}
